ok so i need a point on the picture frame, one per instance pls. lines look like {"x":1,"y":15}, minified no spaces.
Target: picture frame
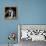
{"x":10,"y":12}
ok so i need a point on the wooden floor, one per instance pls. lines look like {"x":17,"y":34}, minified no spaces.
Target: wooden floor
{"x":30,"y":43}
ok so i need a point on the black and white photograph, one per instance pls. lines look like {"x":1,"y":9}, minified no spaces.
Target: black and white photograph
{"x":10,"y":12}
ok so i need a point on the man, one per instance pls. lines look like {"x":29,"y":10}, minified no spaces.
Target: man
{"x":10,"y":12}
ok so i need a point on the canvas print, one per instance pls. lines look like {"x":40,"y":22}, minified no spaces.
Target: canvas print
{"x":10,"y":12}
{"x":12,"y":38}
{"x":33,"y":32}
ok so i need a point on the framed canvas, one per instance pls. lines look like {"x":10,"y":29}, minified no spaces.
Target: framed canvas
{"x":10,"y":12}
{"x":32,"y":32}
